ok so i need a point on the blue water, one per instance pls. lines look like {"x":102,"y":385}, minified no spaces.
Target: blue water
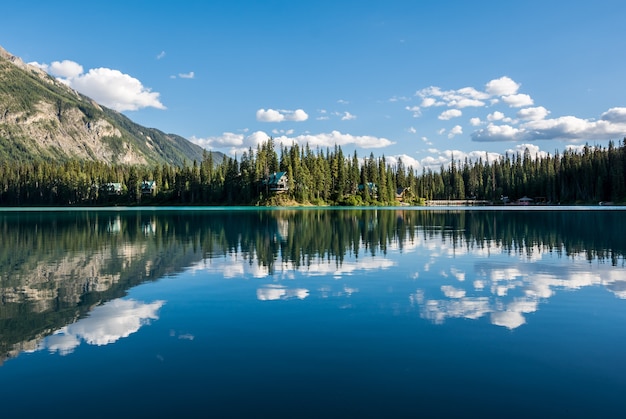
{"x":389,"y":324}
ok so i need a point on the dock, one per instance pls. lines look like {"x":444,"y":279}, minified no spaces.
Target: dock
{"x":457,"y":202}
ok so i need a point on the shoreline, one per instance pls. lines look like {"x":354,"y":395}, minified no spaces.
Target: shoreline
{"x":310,"y":207}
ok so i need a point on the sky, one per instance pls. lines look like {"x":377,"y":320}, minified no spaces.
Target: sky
{"x":425,"y":81}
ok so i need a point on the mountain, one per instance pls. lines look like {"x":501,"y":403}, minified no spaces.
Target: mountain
{"x":40,"y":117}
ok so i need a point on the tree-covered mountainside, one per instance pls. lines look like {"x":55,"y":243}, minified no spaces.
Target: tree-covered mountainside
{"x":41,"y":118}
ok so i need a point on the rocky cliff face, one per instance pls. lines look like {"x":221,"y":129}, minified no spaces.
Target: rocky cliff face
{"x":41,"y":117}
{"x":17,"y":61}
{"x":65,"y":134}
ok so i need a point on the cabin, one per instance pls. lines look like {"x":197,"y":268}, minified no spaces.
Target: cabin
{"x":277,"y":182}
{"x":112,"y":188}
{"x":148,"y":187}
{"x":372,"y":189}
{"x":401,"y":194}
{"x":524,"y":201}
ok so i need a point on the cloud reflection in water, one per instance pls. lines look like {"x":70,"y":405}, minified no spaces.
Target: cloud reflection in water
{"x":507,"y":293}
{"x":501,"y":280}
{"x":278,"y":292}
{"x":106,"y":324}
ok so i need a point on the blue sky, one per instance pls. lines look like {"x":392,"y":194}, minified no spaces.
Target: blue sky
{"x":421,"y":80}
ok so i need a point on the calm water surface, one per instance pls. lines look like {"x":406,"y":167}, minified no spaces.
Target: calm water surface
{"x":313,"y":313}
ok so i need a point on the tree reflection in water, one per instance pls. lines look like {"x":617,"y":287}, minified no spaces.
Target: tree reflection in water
{"x":56,"y":266}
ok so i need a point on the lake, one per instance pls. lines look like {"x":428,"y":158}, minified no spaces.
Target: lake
{"x":242,"y":312}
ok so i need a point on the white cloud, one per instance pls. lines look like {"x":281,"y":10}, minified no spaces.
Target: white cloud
{"x":531,"y":122}
{"x":232,"y":143}
{"x":449,"y":114}
{"x":109,"y":87}
{"x":417,"y":112}
{"x":42,"y":66}
{"x":462,"y":98}
{"x":343,"y":102}
{"x":576,"y":148}
{"x":407,"y":161}
{"x":455,"y":131}
{"x":160,"y":55}
{"x":533,"y":114}
{"x":499,"y":116}
{"x":465,"y":103}
{"x":298,"y":115}
{"x":495,"y":116}
{"x":533,"y":149}
{"x":612,"y":123}
{"x":456,"y":154}
{"x":499,"y":133}
{"x":433,"y":162}
{"x":399,"y":98}
{"x":430,"y":91}
{"x":269,"y":115}
{"x":427,"y":102}
{"x":238,"y":143}
{"x":504,"y":86}
{"x":347,"y":116}
{"x":518,"y":100}
{"x":336,"y":137}
{"x":323,"y":115}
{"x":472,"y":93}
{"x":272,"y":115}
{"x":189,"y":75}
{"x":571,"y":127}
{"x":617,"y":115}
{"x":65,"y":69}
{"x":256,"y":138}
{"x":282,"y":131}
{"x":116,"y":90}
{"x":227,"y":139}
{"x":484,"y":155}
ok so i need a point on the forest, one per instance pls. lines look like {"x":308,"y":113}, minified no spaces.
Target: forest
{"x":319,"y":177}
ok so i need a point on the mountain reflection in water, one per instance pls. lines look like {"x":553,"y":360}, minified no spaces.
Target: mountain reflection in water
{"x":64,"y":273}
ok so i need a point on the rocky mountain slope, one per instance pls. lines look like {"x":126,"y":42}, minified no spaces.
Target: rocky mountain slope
{"x":41,"y":117}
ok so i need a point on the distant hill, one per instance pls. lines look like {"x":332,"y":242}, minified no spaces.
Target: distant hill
{"x":42,"y":118}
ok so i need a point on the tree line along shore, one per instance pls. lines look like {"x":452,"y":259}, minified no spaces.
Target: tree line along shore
{"x":301,"y":175}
